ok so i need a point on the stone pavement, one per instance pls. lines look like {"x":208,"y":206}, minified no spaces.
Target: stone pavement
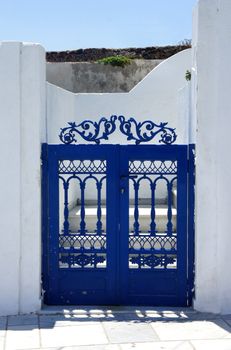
{"x":116,"y":328}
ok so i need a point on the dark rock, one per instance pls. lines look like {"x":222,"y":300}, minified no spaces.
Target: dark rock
{"x":93,"y":54}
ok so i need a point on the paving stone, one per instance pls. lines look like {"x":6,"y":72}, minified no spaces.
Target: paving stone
{"x":68,"y":310}
{"x":126,"y":332}
{"x":93,"y":347}
{"x":22,"y":320}
{"x":227,"y":320}
{"x":203,"y":316}
{"x":170,"y":345}
{"x":191,"y":330}
{"x":2,"y":342}
{"x":2,"y":332}
{"x":58,"y":310}
{"x":83,"y":347}
{"x":22,"y":337}
{"x":154,"y":316}
{"x":228,"y":316}
{"x":170,"y":315}
{"x":3,"y":323}
{"x":75,"y":320}
{"x":74,"y":335}
{"x":215,"y":344}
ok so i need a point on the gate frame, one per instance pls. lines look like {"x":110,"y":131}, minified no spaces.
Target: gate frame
{"x":190,"y":249}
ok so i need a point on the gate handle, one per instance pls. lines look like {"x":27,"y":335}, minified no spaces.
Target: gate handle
{"x":122,"y":177}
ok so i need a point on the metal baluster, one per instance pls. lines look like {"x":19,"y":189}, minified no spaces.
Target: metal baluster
{"x":169,"y":224}
{"x":69,"y":260}
{"x":136,"y":209}
{"x":99,"y":211}
{"x":66,"y":210}
{"x":153,"y":211}
{"x":82,"y":210}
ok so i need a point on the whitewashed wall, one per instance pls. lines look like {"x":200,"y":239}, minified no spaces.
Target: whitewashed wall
{"x":95,"y":77}
{"x":27,"y":123}
{"x":212,"y":106}
{"x":160,"y":96}
{"x":155,"y":98}
{"x":22,"y":113}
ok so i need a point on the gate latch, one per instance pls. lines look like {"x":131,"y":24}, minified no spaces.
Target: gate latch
{"x":124,"y":177}
{"x":122,"y":190}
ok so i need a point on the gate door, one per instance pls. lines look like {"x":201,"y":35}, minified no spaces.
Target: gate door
{"x":82,"y":229}
{"x":153,"y":240}
{"x":117,"y":225}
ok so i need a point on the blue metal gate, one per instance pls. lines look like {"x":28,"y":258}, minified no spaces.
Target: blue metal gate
{"x":116,"y":225}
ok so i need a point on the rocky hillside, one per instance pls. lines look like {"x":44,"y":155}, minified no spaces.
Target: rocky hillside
{"x":91,"y":55}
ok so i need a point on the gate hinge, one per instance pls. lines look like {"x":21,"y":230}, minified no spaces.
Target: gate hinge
{"x":43,"y":156}
{"x":191,"y":165}
{"x":190,"y":293}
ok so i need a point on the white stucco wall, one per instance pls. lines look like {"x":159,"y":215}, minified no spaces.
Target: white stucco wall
{"x":27,"y":124}
{"x":155,"y":98}
{"x":97,"y":77}
{"x":22,"y":109}
{"x":162,"y":96}
{"x":211,"y":97}
{"x":184,"y":111}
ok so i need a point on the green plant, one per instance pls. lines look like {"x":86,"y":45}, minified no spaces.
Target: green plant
{"x":119,"y":61}
{"x":185,"y":42}
{"x":188,"y":75}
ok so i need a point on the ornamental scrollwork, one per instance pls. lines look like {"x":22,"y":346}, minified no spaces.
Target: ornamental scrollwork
{"x":88,"y":130}
{"x":138,"y":131}
{"x":152,"y":261}
{"x":82,"y":260}
{"x":146,"y":131}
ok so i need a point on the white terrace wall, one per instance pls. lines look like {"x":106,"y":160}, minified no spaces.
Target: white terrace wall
{"x":212,"y":106}
{"x":155,"y":98}
{"x":22,"y":113}
{"x":96,"y":77}
{"x":23,"y":97}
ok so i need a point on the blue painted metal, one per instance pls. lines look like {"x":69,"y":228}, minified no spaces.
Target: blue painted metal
{"x":44,"y":223}
{"x":191,"y":222}
{"x":156,"y":275}
{"x":66,"y":210}
{"x":153,"y":211}
{"x":136,"y":224}
{"x":122,"y":263}
{"x":138,"y":131}
{"x":146,"y":131}
{"x":99,"y":224}
{"x":82,"y":229}
{"x":169,"y":224}
{"x":88,"y":130}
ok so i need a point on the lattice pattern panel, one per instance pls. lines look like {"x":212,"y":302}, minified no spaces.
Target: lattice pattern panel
{"x":153,"y":167}
{"x":82,"y":238}
{"x":153,"y":226}
{"x":147,"y":243}
{"x":82,"y":166}
{"x":80,"y":243}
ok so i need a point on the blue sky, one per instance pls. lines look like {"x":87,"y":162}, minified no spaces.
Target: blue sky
{"x":72,"y":24}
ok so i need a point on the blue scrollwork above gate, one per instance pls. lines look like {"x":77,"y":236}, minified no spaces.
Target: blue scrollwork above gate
{"x":144,"y":131}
